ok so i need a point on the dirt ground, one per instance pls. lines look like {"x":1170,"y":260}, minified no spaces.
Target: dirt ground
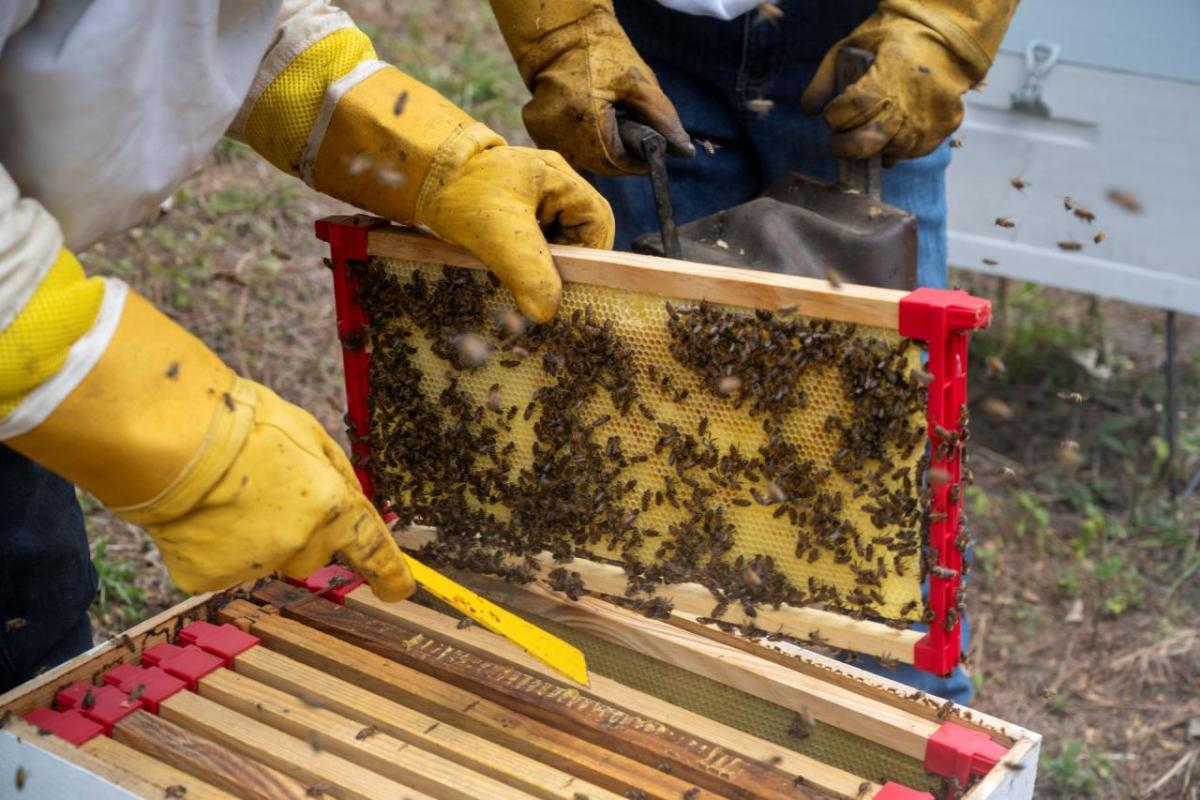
{"x":1085,"y":593}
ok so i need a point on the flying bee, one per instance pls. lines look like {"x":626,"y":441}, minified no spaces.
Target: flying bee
{"x":1125,"y":199}
{"x":990,"y":262}
{"x":1084,"y":214}
{"x":995,"y":366}
{"x":834,"y":278}
{"x":494,"y":402}
{"x":769,"y":12}
{"x":803,"y":724}
{"x":921,"y":376}
{"x":1005,"y":222}
{"x":939,"y":475}
{"x":1068,"y":202}
{"x":1068,"y":452}
{"x":956,"y":143}
{"x":1074,"y":397}
{"x":761,"y":106}
{"x":1099,"y":237}
{"x":1018,"y":183}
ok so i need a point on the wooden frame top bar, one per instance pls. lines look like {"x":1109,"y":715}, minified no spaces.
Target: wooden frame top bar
{"x":862,"y":305}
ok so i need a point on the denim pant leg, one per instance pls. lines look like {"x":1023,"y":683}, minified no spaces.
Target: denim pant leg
{"x":46,"y":576}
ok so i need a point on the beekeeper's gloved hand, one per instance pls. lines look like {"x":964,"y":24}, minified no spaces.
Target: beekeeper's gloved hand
{"x":362,"y":131}
{"x":928,"y":53}
{"x":581,"y":67}
{"x":230,"y":481}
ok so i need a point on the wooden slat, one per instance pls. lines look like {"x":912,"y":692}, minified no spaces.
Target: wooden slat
{"x":124,"y":649}
{"x":374,"y":711}
{"x":205,"y":759}
{"x":1014,"y":776}
{"x":628,"y":732}
{"x":321,"y":770}
{"x":817,"y":774}
{"x":332,"y":732}
{"x":458,"y":707}
{"x":834,"y":705}
{"x":836,"y":630}
{"x":123,"y":766}
{"x":864,"y":305}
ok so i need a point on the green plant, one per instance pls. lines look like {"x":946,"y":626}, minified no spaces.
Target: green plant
{"x":1076,"y":770}
{"x":116,"y":580}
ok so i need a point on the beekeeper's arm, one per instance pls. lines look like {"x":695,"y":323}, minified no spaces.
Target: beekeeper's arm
{"x":325,"y":108}
{"x":99,"y":386}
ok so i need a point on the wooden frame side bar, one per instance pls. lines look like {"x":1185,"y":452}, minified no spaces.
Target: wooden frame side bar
{"x":863,"y":305}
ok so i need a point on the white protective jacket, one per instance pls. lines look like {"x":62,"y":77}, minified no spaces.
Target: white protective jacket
{"x":106,"y":107}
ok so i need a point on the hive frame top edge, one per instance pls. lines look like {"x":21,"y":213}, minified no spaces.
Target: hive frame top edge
{"x":669,"y":278}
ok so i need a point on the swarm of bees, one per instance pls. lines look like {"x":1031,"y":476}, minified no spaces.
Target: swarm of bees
{"x":446,"y":457}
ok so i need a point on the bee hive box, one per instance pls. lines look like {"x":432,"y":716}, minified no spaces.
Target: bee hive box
{"x":747,"y":448}
{"x":275,"y":691}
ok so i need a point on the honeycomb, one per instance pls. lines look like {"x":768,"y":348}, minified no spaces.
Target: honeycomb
{"x":771,"y":457}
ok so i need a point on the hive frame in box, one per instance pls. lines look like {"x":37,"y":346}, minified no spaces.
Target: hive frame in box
{"x":948,"y":739}
{"x":940,"y":318}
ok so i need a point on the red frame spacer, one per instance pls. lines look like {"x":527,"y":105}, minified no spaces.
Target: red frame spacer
{"x":347,"y":238}
{"x":940,"y":317}
{"x":157,"y":684}
{"x":69,"y":725}
{"x":332,"y":583}
{"x":898,"y":791}
{"x":226,"y":641}
{"x":109,"y":704}
{"x":189,"y":664}
{"x":960,"y":752}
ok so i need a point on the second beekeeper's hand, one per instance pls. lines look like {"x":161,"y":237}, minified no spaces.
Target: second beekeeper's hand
{"x":928,"y":53}
{"x":581,"y":68}
{"x":231,"y":481}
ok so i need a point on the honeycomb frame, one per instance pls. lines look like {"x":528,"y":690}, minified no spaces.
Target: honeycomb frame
{"x":742,"y":582}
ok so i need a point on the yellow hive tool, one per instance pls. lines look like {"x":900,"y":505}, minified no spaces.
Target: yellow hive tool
{"x":550,"y":650}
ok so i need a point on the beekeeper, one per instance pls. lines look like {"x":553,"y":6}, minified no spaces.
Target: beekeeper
{"x":106,"y":107}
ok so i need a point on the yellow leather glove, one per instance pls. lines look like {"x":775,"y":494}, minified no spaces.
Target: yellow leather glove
{"x":229,"y":480}
{"x":928,"y":53}
{"x":581,"y":67}
{"x":433,"y":166}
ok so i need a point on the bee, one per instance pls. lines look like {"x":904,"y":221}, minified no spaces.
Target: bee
{"x":995,"y":366}
{"x":728,"y":385}
{"x":761,"y":106}
{"x":956,"y":143}
{"x":366,"y":733}
{"x":788,"y":309}
{"x":803,"y":723}
{"x":1099,"y":237}
{"x":1068,"y":452}
{"x":943,"y":712}
{"x":14,"y":624}
{"x":996,"y":408}
{"x":493,"y":402}
{"x":1018,"y":183}
{"x":401,"y":102}
{"x":1084,"y":214}
{"x":1005,"y":222}
{"x":1008,"y":473}
{"x":710,"y":147}
{"x":770,"y":12}
{"x":1125,"y":199}
{"x":921,"y":376}
{"x":1069,"y":245}
{"x":816,"y":638}
{"x":646,"y":411}
{"x":990,"y":262}
{"x":1075,"y":397}
{"x":464,"y":623}
{"x":834,"y":278}
{"x":389,"y":177}
{"x":938,"y":475}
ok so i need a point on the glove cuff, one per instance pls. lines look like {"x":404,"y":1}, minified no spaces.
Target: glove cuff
{"x":972,"y":31}
{"x":231,"y":422}
{"x":390,"y":141}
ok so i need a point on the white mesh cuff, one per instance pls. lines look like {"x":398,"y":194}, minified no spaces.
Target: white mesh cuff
{"x":300,"y":25}
{"x":29,"y":243}
{"x":84,"y":354}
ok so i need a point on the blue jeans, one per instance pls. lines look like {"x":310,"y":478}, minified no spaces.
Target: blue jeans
{"x":47,"y":580}
{"x":710,"y":69}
